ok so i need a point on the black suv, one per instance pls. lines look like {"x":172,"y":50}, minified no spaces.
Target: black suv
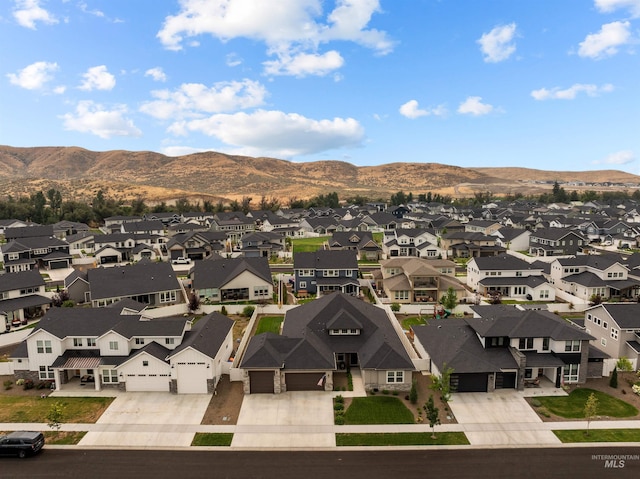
{"x":21,"y":443}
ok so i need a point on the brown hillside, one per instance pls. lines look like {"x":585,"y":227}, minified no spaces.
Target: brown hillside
{"x":80,"y":173}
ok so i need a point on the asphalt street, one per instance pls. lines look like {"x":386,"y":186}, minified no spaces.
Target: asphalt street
{"x":579,"y":462}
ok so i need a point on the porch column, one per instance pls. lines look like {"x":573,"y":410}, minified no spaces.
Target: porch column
{"x":56,"y":378}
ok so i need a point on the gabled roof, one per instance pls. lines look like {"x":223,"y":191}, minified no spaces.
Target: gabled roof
{"x":217,"y":273}
{"x":627,"y":316}
{"x":502,"y":262}
{"x":326,"y":259}
{"x":20,"y":280}
{"x":207,"y":335}
{"x":132,"y":280}
{"x":504,"y":320}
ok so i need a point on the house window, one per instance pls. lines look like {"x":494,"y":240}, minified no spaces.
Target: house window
{"x":572,"y":346}
{"x":303,"y":285}
{"x":91,"y":342}
{"x":169,"y":341}
{"x":46,"y":373}
{"x":528,"y":373}
{"x":44,"y":346}
{"x":331,"y":273}
{"x":306,"y":272}
{"x":570,"y":373}
{"x":28,"y":291}
{"x":145,"y":363}
{"x":13,"y":256}
{"x":605,"y":325}
{"x":139,"y":340}
{"x":110,"y":376}
{"x":167,"y":297}
{"x":260,"y":291}
{"x":77,"y":342}
{"x":544,"y":294}
{"x":518,"y":273}
{"x":113,"y":345}
{"x":401,"y":295}
{"x":395,"y":377}
{"x":603,"y":341}
{"x":525,"y":343}
{"x":545,"y":344}
{"x":614,"y":333}
{"x":589,"y":317}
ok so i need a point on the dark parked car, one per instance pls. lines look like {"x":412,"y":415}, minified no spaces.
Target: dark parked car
{"x":21,"y":443}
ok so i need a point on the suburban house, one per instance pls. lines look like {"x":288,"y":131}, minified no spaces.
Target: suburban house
{"x":486,"y":227}
{"x":121,"y":247}
{"x":197,"y":245}
{"x":262,"y":244}
{"x":235,"y":224}
{"x":616,"y":327}
{"x":503,"y":347}
{"x":361,"y":242}
{"x":154,"y":284}
{"x":21,"y":297}
{"x":469,"y":245}
{"x":335,"y":333}
{"x":510,"y":277}
{"x":324,"y":271}
{"x":29,"y":252}
{"x":415,"y":280}
{"x":232,"y":279}
{"x":556,"y":242}
{"x":513,"y":239}
{"x":105,"y":348}
{"x":410,"y":242}
{"x":590,"y":276}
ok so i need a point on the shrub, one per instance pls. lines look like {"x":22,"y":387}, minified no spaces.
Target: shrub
{"x":395,"y":307}
{"x":395,"y":393}
{"x":636,"y":389}
{"x":8,"y":384}
{"x":413,"y":394}
{"x":536,"y":403}
{"x":20,"y":382}
{"x":385,"y":391}
{"x":28,"y":384}
{"x":339,"y":419}
{"x":247,"y":312}
{"x":338,"y":406}
{"x":339,"y":399}
{"x":613,"y":381}
{"x":624,"y":364}
{"x":223,"y":310}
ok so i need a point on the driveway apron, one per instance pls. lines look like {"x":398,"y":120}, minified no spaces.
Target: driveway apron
{"x":141,"y":419}
{"x":499,"y":418}
{"x":289,"y":420}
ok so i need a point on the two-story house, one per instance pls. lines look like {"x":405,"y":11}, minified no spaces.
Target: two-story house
{"x":232,"y":279}
{"x":416,"y":280}
{"x":29,"y":252}
{"x":262,"y":244}
{"x":106,"y":348}
{"x":508,"y":276}
{"x":197,"y":245}
{"x":556,"y":242}
{"x":21,"y":298}
{"x":323,"y":271}
{"x":503,"y":347}
{"x":361,"y":242}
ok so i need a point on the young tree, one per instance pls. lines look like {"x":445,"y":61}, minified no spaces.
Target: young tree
{"x":590,"y":409}
{"x":194,"y":302}
{"x":433,"y":415}
{"x":55,"y":415}
{"x":624,"y":364}
{"x":442,"y":383}
{"x":613,"y":381}
{"x":449,"y":299}
{"x":413,"y":393}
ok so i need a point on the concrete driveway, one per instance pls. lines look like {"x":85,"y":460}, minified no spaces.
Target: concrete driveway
{"x":499,"y":418}
{"x":289,"y":420}
{"x":133,"y":420}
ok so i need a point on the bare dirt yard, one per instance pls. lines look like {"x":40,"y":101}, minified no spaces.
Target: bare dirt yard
{"x":224,"y":407}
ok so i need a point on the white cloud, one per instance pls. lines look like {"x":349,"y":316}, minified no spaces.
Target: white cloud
{"x":289,"y":29}
{"x":34,"y":76}
{"x":473,"y":106}
{"x":156,"y":73}
{"x":623,"y":157}
{"x":98,"y":78}
{"x":303,"y":64}
{"x":93,"y":118}
{"x":571,"y":92}
{"x":28,"y":12}
{"x":280,"y":134}
{"x":411,"y":110}
{"x":606,"y":42}
{"x":497,"y":45}
{"x":608,"y":6}
{"x":196,"y":99}
{"x":233,"y":60}
{"x":85,"y":9}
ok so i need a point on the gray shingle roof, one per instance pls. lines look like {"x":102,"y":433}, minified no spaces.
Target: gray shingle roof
{"x":132,"y":280}
{"x":23,"y":279}
{"x":217,"y":273}
{"x":207,"y":335}
{"x":626,"y":315}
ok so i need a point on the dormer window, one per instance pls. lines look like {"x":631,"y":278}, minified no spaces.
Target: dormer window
{"x":344,"y":332}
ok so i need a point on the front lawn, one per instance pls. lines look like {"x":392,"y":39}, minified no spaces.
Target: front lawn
{"x":401,"y":439}
{"x":572,"y":406}
{"x":35,"y":409}
{"x":598,"y":435}
{"x":378,"y":410}
{"x":269,"y":324}
{"x":212,"y":439}
{"x":63,"y":438}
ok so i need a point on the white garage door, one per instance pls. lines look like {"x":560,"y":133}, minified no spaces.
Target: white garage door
{"x":148,"y":382}
{"x":192,"y":378}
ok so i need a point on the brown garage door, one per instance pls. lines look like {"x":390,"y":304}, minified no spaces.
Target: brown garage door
{"x":304,"y":381}
{"x":261,"y":382}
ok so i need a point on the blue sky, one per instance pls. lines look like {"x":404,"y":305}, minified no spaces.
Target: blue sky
{"x":547,"y":84}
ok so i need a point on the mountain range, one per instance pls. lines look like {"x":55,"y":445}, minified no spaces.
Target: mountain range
{"x":80,"y":174}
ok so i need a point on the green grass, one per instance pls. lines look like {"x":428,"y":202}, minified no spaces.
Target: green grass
{"x":401,"y":439}
{"x":35,"y":409}
{"x":212,"y":439}
{"x":598,"y":435}
{"x":63,"y":438}
{"x":303,"y":245}
{"x":378,"y":410}
{"x":269,"y":324}
{"x":572,"y":406}
{"x":378,"y":237}
{"x":412,"y":321}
